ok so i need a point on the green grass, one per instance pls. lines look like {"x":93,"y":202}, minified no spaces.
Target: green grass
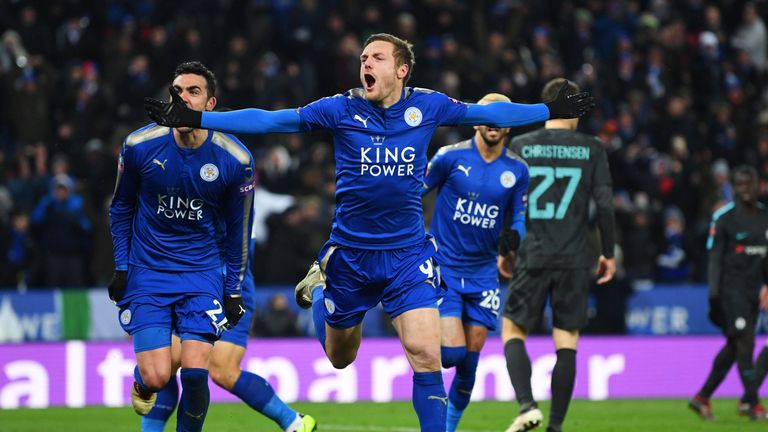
{"x":605,"y":416}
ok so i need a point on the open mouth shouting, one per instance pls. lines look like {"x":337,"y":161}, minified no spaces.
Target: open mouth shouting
{"x":370,"y":82}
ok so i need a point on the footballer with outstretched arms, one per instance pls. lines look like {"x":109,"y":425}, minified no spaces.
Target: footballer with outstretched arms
{"x":378,"y":249}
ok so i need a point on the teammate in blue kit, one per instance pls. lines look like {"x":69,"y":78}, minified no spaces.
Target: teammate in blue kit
{"x":480,"y":184}
{"x":378,"y":250}
{"x":179,"y":220}
{"x":225,"y":371}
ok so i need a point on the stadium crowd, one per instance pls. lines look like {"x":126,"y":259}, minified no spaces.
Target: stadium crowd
{"x":681,"y":88}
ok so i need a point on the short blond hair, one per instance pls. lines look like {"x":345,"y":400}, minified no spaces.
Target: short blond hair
{"x":493,"y":97}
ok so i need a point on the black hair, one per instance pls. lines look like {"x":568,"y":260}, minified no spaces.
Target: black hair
{"x":745,"y":170}
{"x":549,"y":93}
{"x":197,"y":68}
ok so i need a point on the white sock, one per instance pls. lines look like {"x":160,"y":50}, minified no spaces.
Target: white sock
{"x":293,"y":427}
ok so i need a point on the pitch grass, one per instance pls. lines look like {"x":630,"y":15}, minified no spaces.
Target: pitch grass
{"x":604,"y":416}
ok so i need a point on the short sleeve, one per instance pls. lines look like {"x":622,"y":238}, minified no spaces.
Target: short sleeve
{"x":449,"y":110}
{"x":323,"y":113}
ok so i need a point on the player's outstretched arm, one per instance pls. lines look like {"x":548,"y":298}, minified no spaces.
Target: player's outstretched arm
{"x":510,"y":114}
{"x":251,"y":120}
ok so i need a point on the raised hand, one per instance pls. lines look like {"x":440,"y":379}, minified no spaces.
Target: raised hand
{"x":174,"y":113}
{"x":570,"y":106}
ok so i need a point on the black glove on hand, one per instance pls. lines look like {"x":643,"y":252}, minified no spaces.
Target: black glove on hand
{"x":233,"y":310}
{"x":117,"y":285}
{"x":570,"y":106}
{"x":509,"y":241}
{"x":174,"y":113}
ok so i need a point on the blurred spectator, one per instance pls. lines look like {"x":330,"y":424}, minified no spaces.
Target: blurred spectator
{"x":672,"y":262}
{"x":721,"y":173}
{"x":63,"y":230}
{"x":18,"y":248}
{"x":751,"y":37}
{"x":277,"y":320}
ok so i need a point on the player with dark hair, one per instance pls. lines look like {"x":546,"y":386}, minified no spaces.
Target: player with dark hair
{"x":179,"y":220}
{"x":481,"y":185}
{"x":738,"y":267}
{"x":567,"y":169}
{"x":378,"y":250}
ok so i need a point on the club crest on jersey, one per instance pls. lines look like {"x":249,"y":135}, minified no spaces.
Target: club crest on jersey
{"x":508,"y":179}
{"x":125,"y":316}
{"x":413,"y":116}
{"x":330,"y":306}
{"x":209,"y":172}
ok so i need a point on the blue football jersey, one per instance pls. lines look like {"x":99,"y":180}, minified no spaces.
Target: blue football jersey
{"x":180,"y":209}
{"x":381,"y":157}
{"x":473,"y":200}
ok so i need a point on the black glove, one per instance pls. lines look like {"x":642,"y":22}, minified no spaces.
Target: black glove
{"x":117,"y":285}
{"x":233,"y":310}
{"x":569,"y":106}
{"x":716,"y":312}
{"x":509,"y":241}
{"x":174,"y":113}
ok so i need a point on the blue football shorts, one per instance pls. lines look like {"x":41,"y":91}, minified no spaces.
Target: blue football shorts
{"x":474,"y":300}
{"x":358,"y":279}
{"x":195,"y":315}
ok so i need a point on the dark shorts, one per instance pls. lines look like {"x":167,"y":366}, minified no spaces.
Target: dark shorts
{"x":735,"y":314}
{"x":567,"y":290}
{"x":358,"y":279}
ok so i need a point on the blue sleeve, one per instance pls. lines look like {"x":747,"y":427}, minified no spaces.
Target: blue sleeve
{"x":238,"y":210}
{"x":78,"y":208}
{"x":123,"y":205}
{"x":504,"y":114}
{"x":437,"y":171}
{"x":38,"y":214}
{"x":449,"y":110}
{"x":323,"y":113}
{"x":518,"y":205}
{"x":252,"y":120}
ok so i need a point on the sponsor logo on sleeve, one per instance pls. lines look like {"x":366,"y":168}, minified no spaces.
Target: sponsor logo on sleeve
{"x":247,"y":187}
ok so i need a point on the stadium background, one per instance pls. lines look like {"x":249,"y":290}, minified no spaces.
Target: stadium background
{"x":682,"y":97}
